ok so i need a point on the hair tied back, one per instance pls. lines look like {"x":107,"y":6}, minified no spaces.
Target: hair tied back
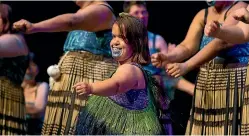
{"x":123,"y":14}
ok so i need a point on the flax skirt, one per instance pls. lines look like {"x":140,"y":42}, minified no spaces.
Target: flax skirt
{"x":12,"y":108}
{"x":220,"y":103}
{"x":63,"y":103}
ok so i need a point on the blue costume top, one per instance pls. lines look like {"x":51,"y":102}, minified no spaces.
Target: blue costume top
{"x":95,"y":42}
{"x":239,"y":53}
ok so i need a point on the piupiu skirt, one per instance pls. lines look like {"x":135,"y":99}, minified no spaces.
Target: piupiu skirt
{"x":12,"y":108}
{"x":220,"y":103}
{"x":63,"y":103}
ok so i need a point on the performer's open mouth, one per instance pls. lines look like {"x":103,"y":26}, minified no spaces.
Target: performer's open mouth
{"x":116,"y":52}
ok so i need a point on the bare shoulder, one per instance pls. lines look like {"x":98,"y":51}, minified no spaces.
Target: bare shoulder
{"x":129,"y":70}
{"x":20,"y":37}
{"x":160,"y":39}
{"x":43,"y":86}
{"x":201,"y":13}
{"x":95,"y":17}
{"x":16,"y":36}
{"x":161,"y":44}
{"x":199,"y":17}
{"x":97,"y":8}
{"x":131,"y":74}
{"x":239,"y":5}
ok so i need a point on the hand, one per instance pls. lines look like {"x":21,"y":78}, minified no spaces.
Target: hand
{"x":23,"y":26}
{"x":171,"y":47}
{"x":212,"y":29}
{"x":83,"y":88}
{"x":177,"y":69}
{"x":241,"y":14}
{"x":158,"y":60}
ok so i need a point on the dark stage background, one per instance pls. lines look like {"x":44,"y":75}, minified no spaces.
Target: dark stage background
{"x":170,"y":19}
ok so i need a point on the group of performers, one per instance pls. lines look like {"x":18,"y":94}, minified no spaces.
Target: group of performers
{"x":111,"y":78}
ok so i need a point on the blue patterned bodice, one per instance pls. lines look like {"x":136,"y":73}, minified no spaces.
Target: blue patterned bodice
{"x":133,"y":99}
{"x":14,"y":68}
{"x":239,"y":52}
{"x":95,"y":42}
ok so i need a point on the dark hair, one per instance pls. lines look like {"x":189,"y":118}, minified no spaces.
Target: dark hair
{"x":6,"y":15}
{"x":127,"y":5}
{"x":31,"y":56}
{"x":32,"y":59}
{"x":134,"y":31}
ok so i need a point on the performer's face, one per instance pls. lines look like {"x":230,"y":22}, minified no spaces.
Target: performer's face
{"x":221,"y":3}
{"x":32,"y":71}
{"x":211,"y":2}
{"x":121,"y":50}
{"x":140,"y":12}
{"x":217,"y":4}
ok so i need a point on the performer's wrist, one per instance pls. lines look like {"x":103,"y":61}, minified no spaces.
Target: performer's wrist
{"x":90,"y":89}
{"x":189,"y":65}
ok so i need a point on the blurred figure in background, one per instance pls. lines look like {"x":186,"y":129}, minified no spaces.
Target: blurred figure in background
{"x":13,"y":64}
{"x":35,"y":94}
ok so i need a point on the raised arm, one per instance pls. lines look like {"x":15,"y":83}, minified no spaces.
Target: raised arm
{"x":126,"y":77}
{"x":214,"y":47}
{"x":209,"y":52}
{"x":187,"y":47}
{"x":41,"y":99}
{"x":232,"y":33}
{"x":190,"y":45}
{"x":12,"y":45}
{"x":94,"y":17}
